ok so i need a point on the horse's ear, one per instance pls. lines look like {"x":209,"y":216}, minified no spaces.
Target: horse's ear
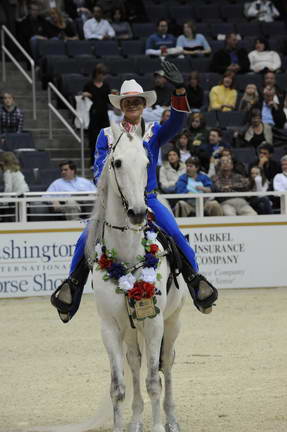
{"x":116,"y":130}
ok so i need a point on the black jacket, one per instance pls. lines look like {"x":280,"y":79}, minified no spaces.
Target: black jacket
{"x":278,"y":114}
{"x":270,"y":169}
{"x":221,"y":60}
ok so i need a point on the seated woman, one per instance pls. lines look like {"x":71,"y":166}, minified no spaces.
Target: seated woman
{"x":194,"y":92}
{"x":259,"y":183}
{"x":132,"y":101}
{"x":262,"y":59}
{"x":191,"y":42}
{"x":249,"y":99}
{"x":255,"y":131}
{"x":120,"y":25}
{"x":61,"y":27}
{"x":197,"y":128}
{"x":183,"y":144}
{"x":223,"y":97}
{"x":170,"y":171}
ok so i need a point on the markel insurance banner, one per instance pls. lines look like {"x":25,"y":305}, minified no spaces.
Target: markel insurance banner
{"x":34,"y":260}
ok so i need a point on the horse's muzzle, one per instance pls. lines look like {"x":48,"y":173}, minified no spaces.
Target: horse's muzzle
{"x":137,"y":218}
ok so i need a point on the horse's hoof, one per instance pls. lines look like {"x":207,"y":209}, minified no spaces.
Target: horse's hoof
{"x":135,"y":427}
{"x":172,"y":427}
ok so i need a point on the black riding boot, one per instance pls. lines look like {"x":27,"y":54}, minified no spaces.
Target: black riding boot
{"x":68,"y":295}
{"x":203,"y":293}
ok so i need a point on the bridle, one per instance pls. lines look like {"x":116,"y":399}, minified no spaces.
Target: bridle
{"x":125,"y":202}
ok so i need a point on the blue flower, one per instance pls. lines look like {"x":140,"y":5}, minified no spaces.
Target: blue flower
{"x":117,"y":270}
{"x":150,"y":260}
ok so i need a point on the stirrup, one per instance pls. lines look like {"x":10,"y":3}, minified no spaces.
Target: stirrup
{"x":203,"y":305}
{"x":64,"y":309}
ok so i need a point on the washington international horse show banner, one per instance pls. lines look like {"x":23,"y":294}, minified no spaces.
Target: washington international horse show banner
{"x":35,"y":258}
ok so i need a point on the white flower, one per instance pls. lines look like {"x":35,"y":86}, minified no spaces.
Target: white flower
{"x":149,"y":274}
{"x":98,"y":249}
{"x":126,"y":282}
{"x":151,"y":236}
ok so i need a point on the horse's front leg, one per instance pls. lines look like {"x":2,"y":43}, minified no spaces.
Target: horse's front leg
{"x":153,"y":333}
{"x":134,"y":361}
{"x":171,"y":330}
{"x":113,"y":342}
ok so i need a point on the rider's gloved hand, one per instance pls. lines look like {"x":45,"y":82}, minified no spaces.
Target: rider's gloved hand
{"x":172,"y":74}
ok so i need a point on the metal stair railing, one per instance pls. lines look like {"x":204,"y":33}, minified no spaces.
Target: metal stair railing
{"x":52,"y":108}
{"x":5,"y":51}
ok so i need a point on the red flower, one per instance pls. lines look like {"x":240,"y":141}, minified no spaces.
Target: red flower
{"x":105,"y":262}
{"x":137,"y":292}
{"x":154,"y":248}
{"x":149,"y":289}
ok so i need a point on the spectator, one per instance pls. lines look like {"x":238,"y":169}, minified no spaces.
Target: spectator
{"x":238,"y":166}
{"x":194,"y":92}
{"x":262,"y":58}
{"x":170,"y":171}
{"x":97,"y":27}
{"x":265,"y":163}
{"x":165,"y":116}
{"x":226,"y":180}
{"x":259,"y":183}
{"x":195,"y":181}
{"x":255,"y":131}
{"x":280,"y":179}
{"x":62,"y":28}
{"x":11,"y":117}
{"x":214,"y":144}
{"x":78,"y":9}
{"x":108,"y":6}
{"x":270,"y":81}
{"x":115,"y":114}
{"x":14,"y":180}
{"x":223,"y":97}
{"x":183,"y":144}
{"x":162,"y":88}
{"x":191,"y":42}
{"x":249,"y":99}
{"x":272,"y":112}
{"x":197,"y":129}
{"x":261,"y":10}
{"x":120,"y":25}
{"x":160,"y":43}
{"x":69,"y":182}
{"x":230,"y":57}
{"x":97,"y":90}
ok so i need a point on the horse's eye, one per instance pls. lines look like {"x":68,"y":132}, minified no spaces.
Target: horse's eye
{"x":118,"y":163}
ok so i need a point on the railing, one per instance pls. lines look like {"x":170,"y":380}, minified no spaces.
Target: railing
{"x":38,"y":206}
{"x":31,"y":79}
{"x":52,"y":108}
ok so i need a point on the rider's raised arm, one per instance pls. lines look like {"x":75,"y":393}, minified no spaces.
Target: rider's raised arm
{"x":102,"y":149}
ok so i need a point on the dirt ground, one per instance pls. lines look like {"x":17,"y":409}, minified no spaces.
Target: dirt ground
{"x":230,"y":373}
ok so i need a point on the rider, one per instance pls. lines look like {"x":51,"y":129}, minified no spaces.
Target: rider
{"x":131,"y":101}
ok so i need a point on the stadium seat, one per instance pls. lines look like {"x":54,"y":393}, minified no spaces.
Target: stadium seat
{"x":114,"y":82}
{"x":216,"y":45}
{"x":230,"y":118}
{"x":34,"y":159}
{"x":77,"y":48}
{"x":14,"y":141}
{"x":232,"y":13}
{"x":71,"y":84}
{"x":279,"y":152}
{"x":181,"y":14}
{"x":221,"y":28}
{"x":145,"y":64}
{"x":209,"y":79}
{"x":117,"y":64}
{"x":156,"y":12}
{"x":248,"y":29}
{"x":244,"y":154}
{"x":210,"y":118}
{"x":281,"y":79}
{"x":141,"y":30}
{"x":200,"y":64}
{"x":51,"y":47}
{"x":209,"y":13}
{"x":183,"y":64}
{"x":203,"y":28}
{"x":275,"y":28}
{"x":242,"y":80}
{"x":131,"y":48}
{"x":106,"y":48}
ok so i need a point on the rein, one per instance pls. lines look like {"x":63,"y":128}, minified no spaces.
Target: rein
{"x":123,"y":198}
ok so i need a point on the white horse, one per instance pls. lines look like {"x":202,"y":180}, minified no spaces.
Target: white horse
{"x":121,"y":204}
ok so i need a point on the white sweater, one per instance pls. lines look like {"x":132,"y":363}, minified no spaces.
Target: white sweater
{"x":264,"y":59}
{"x":280,"y":182}
{"x":14,"y":182}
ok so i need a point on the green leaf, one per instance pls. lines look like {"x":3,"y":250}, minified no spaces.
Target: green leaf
{"x":154,"y":300}
{"x":157,"y":310}
{"x":106,"y":277}
{"x":158,"y":276}
{"x":119,"y":290}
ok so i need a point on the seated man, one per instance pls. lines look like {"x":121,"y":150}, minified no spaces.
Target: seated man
{"x":280,"y":180}
{"x":160,"y":44}
{"x":195,"y":181}
{"x":11,"y":117}
{"x":214,"y":144}
{"x":97,"y":27}
{"x":261,"y":10}
{"x":271,"y":111}
{"x":226,"y":180}
{"x":69,"y":182}
{"x":269,"y":166}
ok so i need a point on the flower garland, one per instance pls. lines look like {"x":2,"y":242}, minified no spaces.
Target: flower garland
{"x":139,"y":288}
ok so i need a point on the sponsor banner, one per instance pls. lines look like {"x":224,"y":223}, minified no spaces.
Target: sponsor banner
{"x":33,"y":262}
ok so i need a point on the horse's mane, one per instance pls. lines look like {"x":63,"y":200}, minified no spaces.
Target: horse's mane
{"x":96,"y":223}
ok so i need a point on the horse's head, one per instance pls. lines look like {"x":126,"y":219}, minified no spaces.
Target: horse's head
{"x":128,"y":168}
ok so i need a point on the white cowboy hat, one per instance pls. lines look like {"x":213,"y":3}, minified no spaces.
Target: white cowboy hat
{"x":131,"y":88}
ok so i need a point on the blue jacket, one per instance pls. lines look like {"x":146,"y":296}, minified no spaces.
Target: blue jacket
{"x":155,"y":137}
{"x":181,"y":184}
